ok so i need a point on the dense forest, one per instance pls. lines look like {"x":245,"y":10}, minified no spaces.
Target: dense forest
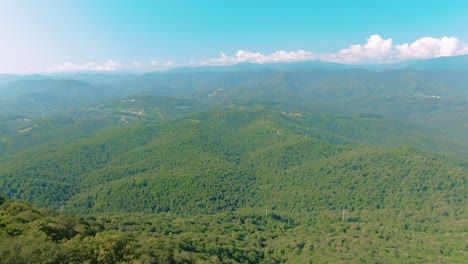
{"x":236,"y":167}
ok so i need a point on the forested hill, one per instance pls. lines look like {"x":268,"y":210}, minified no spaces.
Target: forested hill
{"x":434,"y":99}
{"x":225,"y":160}
{"x":21,"y":131}
{"x":30,"y":234}
{"x":46,"y":96}
{"x":252,"y":184}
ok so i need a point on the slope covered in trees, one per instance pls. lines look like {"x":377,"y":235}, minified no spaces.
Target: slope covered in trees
{"x":224,"y":160}
{"x":157,"y":180}
{"x":21,"y":132}
{"x":30,"y":234}
{"x":405,"y":94}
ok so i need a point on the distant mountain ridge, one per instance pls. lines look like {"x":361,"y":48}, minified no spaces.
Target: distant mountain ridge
{"x":8,"y":78}
{"x":254,"y":165}
{"x":281,"y":66}
{"x":47,"y":96}
{"x":411,"y":94}
{"x":454,"y":63}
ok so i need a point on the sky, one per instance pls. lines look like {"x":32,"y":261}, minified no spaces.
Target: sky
{"x":50,"y":36}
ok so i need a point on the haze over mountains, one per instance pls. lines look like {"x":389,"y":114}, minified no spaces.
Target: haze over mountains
{"x":406,"y":93}
{"x":250,"y":163}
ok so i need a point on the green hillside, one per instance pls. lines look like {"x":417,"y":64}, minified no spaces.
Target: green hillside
{"x":22,"y":132}
{"x":404,"y":94}
{"x":30,"y":234}
{"x":243,"y":185}
{"x":200,"y":151}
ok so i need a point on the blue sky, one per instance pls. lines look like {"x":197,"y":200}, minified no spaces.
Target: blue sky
{"x":63,"y":35}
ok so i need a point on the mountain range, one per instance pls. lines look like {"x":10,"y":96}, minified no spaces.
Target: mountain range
{"x":273,"y":163}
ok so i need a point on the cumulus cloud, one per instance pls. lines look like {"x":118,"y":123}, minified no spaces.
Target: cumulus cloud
{"x":379,"y":50}
{"x":222,"y":60}
{"x":279,"y":56}
{"x":257,"y":57}
{"x":376,"y":50}
{"x":136,"y":64}
{"x":169,"y":63}
{"x":109,"y":65}
{"x":428,"y":47}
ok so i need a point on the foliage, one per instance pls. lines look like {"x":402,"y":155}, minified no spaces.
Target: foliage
{"x":244,"y":236}
{"x":249,"y":184}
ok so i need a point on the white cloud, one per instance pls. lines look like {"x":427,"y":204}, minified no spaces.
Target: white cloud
{"x":375,"y":50}
{"x":109,"y":65}
{"x":278,"y":56}
{"x":169,"y":63}
{"x":428,"y":47}
{"x":222,"y":60}
{"x":257,"y":57}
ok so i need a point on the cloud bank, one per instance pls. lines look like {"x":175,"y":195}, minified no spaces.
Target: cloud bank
{"x":428,"y":47}
{"x":375,"y":50}
{"x":109,"y":65}
{"x":256,"y":57}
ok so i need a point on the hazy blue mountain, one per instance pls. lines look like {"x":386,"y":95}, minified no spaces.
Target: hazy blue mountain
{"x":400,"y":93}
{"x":7,"y":78}
{"x":315,"y":85}
{"x":44,"y":86}
{"x":454,"y":63}
{"x":283,"y":66}
{"x":95,"y":78}
{"x":266,"y":168}
{"x":190,"y":84}
{"x":46,"y":96}
{"x":386,"y":66}
{"x":318,"y":83}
